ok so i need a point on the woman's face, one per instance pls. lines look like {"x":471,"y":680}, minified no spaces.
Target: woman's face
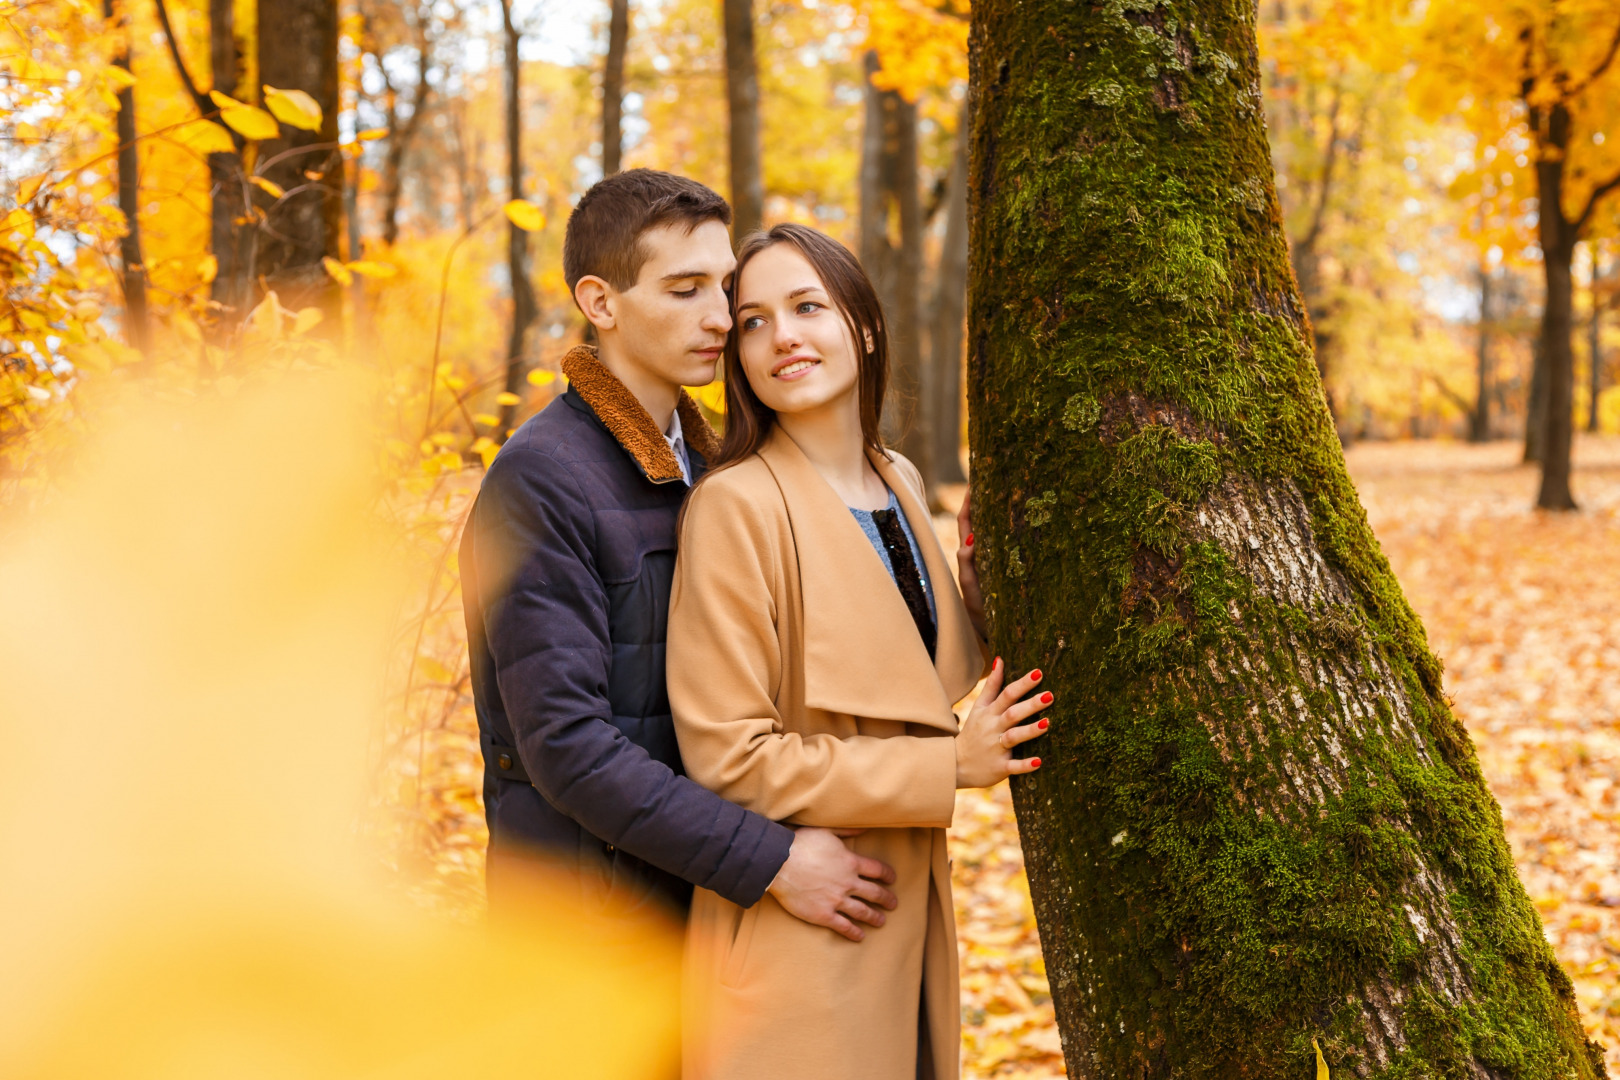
{"x":794,"y":343}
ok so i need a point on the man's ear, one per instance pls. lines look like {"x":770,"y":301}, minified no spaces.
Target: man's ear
{"x":597,"y":300}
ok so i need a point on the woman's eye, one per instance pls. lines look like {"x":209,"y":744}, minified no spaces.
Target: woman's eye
{"x":753,"y":322}
{"x":807,"y":306}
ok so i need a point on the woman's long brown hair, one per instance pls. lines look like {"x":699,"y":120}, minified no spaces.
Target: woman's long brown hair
{"x":748,"y":419}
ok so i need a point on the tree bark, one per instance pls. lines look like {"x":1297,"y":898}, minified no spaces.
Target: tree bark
{"x":949,"y":310}
{"x":133,"y":270}
{"x":400,"y":136}
{"x":1535,"y":410}
{"x":613,"y":87}
{"x":1479,"y":423}
{"x":1258,"y":823}
{"x":1594,"y":348}
{"x":524,"y":310}
{"x":742,"y":99}
{"x":1558,"y":236}
{"x":298,"y":50}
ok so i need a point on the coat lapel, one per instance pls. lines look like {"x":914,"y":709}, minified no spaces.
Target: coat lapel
{"x":958,"y":654}
{"x":862,"y":653}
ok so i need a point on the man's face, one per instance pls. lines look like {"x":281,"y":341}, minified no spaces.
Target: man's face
{"x":673,"y":322}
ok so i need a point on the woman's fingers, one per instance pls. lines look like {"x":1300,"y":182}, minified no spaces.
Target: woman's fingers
{"x":1018,"y":690}
{"x":1023,"y":710}
{"x":1013,"y":736}
{"x":992,"y":683}
{"x":1018,"y":766}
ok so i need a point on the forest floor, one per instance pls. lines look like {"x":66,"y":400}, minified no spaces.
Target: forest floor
{"x":1524,"y":609}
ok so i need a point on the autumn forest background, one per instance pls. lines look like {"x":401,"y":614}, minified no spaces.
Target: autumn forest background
{"x":282,"y":272}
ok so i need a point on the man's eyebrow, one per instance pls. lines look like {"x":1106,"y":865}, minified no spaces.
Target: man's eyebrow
{"x":683,"y":274}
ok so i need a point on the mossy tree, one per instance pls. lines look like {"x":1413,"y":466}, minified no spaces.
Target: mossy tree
{"x":1259,"y":823}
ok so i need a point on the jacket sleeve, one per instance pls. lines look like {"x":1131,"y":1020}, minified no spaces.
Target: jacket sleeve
{"x":546,"y":618}
{"x":725,"y":669}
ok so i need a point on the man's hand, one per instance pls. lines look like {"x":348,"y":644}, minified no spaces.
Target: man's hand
{"x":967,"y":567}
{"x":826,"y":884}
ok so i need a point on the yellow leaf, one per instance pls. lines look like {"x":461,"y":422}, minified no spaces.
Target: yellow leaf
{"x":294,"y":108}
{"x":505,"y":398}
{"x":338,"y":271}
{"x":434,"y":670}
{"x":372,"y":134}
{"x":117,"y":77}
{"x":306,"y":319}
{"x":485,"y":419}
{"x":273,"y":189}
{"x":525,"y":215}
{"x":246,"y":120}
{"x":207,"y":269}
{"x":18,"y":220}
{"x":205,"y":137}
{"x":372,"y":269}
{"x":539,"y":377}
{"x":1321,"y":1063}
{"x":486,"y":448}
{"x":87,"y":311}
{"x":30,"y":187}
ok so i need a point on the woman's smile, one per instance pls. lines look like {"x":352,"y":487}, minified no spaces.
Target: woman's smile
{"x":794,"y":367}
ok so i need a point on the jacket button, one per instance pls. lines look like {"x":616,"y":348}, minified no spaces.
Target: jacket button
{"x":608,"y":848}
{"x":504,"y":761}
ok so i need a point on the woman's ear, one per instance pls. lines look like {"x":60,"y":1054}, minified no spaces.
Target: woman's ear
{"x":870,"y":344}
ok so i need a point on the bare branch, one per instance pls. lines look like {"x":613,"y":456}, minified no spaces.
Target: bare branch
{"x":204,"y":106}
{"x":1592,"y":200}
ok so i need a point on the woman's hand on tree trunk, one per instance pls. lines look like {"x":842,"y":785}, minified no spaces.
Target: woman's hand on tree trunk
{"x":994,"y":726}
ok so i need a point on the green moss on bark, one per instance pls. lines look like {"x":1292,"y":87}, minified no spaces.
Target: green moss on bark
{"x":1259,"y":822}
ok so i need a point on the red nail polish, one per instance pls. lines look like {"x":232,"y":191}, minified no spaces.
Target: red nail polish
{"x":1046,"y":699}
{"x":1036,"y":675}
{"x":969,"y":540}
{"x":1034,"y":763}
{"x":1044,"y":724}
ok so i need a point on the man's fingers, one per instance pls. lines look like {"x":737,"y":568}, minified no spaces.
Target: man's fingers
{"x":845,"y":834}
{"x":1013,"y":736}
{"x":875,"y":869}
{"x":860,"y":912}
{"x":875,"y":894}
{"x":842,"y":926}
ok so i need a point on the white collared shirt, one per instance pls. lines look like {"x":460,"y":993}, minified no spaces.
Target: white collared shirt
{"x":677,"y":443}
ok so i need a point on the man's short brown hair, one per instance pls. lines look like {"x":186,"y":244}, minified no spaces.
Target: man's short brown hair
{"x":604,"y":233}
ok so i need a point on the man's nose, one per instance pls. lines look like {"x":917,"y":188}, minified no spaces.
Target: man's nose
{"x":717,"y":314}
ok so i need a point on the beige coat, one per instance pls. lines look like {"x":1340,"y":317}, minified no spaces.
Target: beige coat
{"x":802,"y":690}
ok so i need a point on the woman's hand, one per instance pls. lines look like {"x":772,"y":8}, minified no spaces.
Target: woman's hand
{"x":967,"y":568}
{"x":984,"y":745}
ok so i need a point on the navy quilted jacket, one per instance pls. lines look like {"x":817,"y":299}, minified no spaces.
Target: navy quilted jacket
{"x":566,"y":567}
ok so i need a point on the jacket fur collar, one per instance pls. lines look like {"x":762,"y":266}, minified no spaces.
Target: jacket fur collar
{"x":631,"y":424}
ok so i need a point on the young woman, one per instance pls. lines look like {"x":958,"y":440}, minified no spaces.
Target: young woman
{"x":816,"y":645}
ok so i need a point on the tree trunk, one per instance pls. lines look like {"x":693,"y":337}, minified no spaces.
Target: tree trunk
{"x":877,"y":254}
{"x":949,"y":310}
{"x":1258,"y":823}
{"x":1594,"y":348}
{"x":133,"y":271}
{"x":1557,"y":235}
{"x":400,"y":137}
{"x":298,"y":50}
{"x":1479,"y":425}
{"x":742,"y":98}
{"x":1535,"y":410}
{"x":613,"y":87}
{"x":524,"y":311}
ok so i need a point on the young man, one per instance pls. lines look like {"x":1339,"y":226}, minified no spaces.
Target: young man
{"x":566,"y":566}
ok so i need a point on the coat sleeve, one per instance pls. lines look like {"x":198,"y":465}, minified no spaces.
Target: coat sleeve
{"x":546,"y":618}
{"x":725,"y":669}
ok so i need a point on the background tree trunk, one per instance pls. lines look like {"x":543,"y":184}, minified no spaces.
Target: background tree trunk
{"x":742,"y":98}
{"x":298,"y":50}
{"x":1594,"y":346}
{"x":1479,"y":423}
{"x":1258,"y":823}
{"x":402,"y":135}
{"x":1558,"y":236}
{"x":524,"y":311}
{"x":948,"y":312}
{"x":613,"y":87}
{"x":229,"y":202}
{"x":1535,"y":410}
{"x":133,"y":270}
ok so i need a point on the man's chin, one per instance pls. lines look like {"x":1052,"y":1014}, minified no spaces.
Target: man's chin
{"x":699,"y":372}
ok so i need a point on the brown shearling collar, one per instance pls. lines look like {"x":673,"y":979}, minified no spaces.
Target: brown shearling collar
{"x":631,"y":423}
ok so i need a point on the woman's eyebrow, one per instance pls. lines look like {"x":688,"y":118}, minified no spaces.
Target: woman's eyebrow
{"x":802,"y":289}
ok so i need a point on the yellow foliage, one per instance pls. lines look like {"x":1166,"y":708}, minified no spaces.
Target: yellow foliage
{"x":293,"y":108}
{"x":525,"y":215}
{"x":248,"y":121}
